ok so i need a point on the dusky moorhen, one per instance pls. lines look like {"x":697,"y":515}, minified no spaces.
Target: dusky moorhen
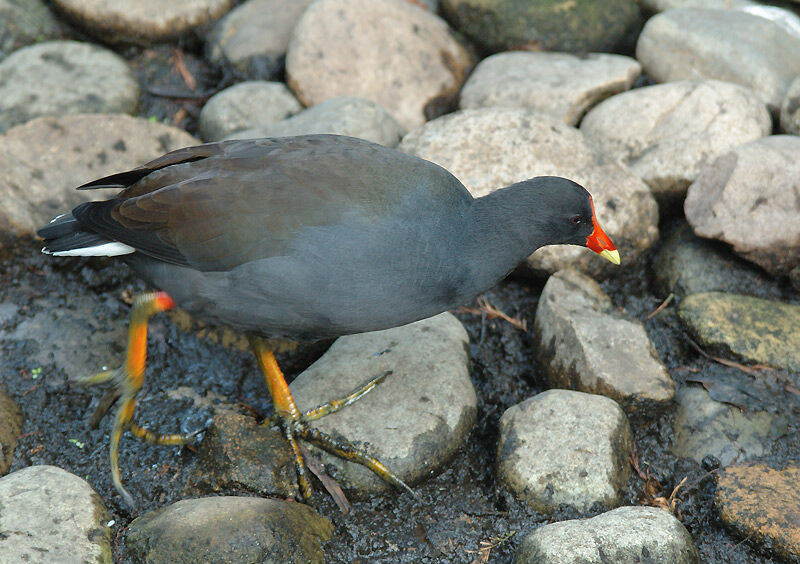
{"x":308,"y":237}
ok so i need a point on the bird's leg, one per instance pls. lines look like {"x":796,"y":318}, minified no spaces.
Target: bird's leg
{"x":294,"y":423}
{"x":128,"y":380}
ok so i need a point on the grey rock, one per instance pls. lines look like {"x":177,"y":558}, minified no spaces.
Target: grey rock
{"x":48,"y":511}
{"x":758,"y":185}
{"x":25,"y":22}
{"x":703,"y":427}
{"x":662,"y":5}
{"x":622,"y":536}
{"x":355,"y":117}
{"x":687,"y":264}
{"x":562,"y":85}
{"x":415,"y":420}
{"x":229,"y":529}
{"x":753,"y":329}
{"x":253,"y":37}
{"x":790,"y":109}
{"x":143,"y":21}
{"x":579,"y":26}
{"x":10,"y":428}
{"x":668,"y":133}
{"x":64,"y":77}
{"x":489,"y":148}
{"x":237,"y":452}
{"x":244,"y":106}
{"x":565,"y":448}
{"x":391,"y":52}
{"x":729,"y":45}
{"x":42,"y":162}
{"x":583,"y":344}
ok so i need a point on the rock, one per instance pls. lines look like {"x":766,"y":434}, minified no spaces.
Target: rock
{"x":756,"y":330}
{"x":757,"y":185}
{"x":252,"y":38}
{"x":667,"y":133}
{"x":561,"y":85}
{"x":414,"y":421}
{"x":64,"y":77}
{"x":704,"y":427}
{"x":238,"y":453}
{"x":624,"y":535}
{"x":662,"y":5}
{"x":48,"y":511}
{"x":583,"y":344}
{"x":143,"y":21}
{"x":42,"y":162}
{"x":244,"y":106}
{"x":730,"y":45}
{"x":565,"y":448}
{"x":790,"y":109}
{"x":580,"y":26}
{"x":490,"y":148}
{"x":761,"y":505}
{"x":687,"y":264}
{"x":229,"y":529}
{"x":388,"y":51}
{"x":25,"y":22}
{"x":10,"y":428}
{"x":356,"y":117}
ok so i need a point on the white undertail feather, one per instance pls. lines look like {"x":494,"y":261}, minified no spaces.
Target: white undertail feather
{"x":105,"y":250}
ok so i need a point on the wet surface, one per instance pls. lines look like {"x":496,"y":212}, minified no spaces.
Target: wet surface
{"x":460,"y":508}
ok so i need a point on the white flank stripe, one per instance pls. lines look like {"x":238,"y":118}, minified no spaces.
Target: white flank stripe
{"x":105,"y":250}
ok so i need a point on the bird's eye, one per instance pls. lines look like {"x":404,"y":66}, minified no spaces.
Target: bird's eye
{"x":576,"y":220}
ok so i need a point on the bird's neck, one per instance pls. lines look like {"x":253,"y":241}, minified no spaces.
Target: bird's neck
{"x":502,"y":230}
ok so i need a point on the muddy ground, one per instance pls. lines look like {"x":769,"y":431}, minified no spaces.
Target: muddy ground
{"x":461,"y":508}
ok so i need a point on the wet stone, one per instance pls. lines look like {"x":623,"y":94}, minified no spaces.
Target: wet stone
{"x":391,"y":52}
{"x":229,"y":529}
{"x":728,"y":45}
{"x":579,"y":26}
{"x":490,"y":148}
{"x":755,"y":184}
{"x":50,"y":515}
{"x":252,"y":39}
{"x":687,"y":264}
{"x":10,"y":428}
{"x":628,"y":535}
{"x":64,"y":77}
{"x":244,"y":106}
{"x":763,"y":506}
{"x":239,"y":454}
{"x":354,"y":117}
{"x":565,"y":448}
{"x":25,"y":22}
{"x":703,"y":427}
{"x":790,"y":109}
{"x":43,"y":161}
{"x":753,"y":329}
{"x":143,"y":21}
{"x":561,"y":85}
{"x":583,"y":344}
{"x":661,"y":5}
{"x":667,"y":133}
{"x":416,"y":419}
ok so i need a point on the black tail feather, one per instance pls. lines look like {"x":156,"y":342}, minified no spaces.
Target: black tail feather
{"x":64,"y":233}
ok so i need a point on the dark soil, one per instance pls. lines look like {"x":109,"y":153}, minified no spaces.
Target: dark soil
{"x":461,"y":508}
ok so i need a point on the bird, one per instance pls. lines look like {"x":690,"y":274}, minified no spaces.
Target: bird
{"x":306,"y":238}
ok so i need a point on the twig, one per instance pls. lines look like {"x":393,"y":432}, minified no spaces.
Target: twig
{"x":660,"y":308}
{"x":486,"y":547}
{"x":485,"y":308}
{"x":752,"y":370}
{"x":331,"y":485}
{"x":179,"y":66}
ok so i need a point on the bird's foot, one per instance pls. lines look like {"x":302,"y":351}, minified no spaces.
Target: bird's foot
{"x":126,"y":382}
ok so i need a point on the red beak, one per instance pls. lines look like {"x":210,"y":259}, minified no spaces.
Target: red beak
{"x":599,"y":242}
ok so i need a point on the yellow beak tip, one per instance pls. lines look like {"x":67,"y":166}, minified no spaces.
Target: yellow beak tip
{"x":612,"y":256}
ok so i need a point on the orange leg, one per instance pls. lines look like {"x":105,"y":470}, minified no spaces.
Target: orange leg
{"x":128,"y":380}
{"x":294,"y":423}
